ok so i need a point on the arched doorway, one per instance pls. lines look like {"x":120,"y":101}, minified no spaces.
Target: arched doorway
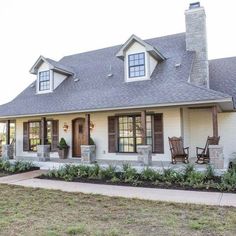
{"x":78,"y":136}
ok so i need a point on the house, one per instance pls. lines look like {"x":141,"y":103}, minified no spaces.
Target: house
{"x":138,"y":93}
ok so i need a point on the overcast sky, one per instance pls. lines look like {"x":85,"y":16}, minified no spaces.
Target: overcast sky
{"x":54,"y":28}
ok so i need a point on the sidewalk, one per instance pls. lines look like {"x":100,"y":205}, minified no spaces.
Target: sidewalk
{"x":180,"y":196}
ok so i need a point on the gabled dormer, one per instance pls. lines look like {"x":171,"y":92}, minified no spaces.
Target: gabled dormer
{"x":140,"y":59}
{"x":50,"y":74}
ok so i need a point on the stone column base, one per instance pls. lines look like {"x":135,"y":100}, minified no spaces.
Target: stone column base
{"x":88,"y":154}
{"x":7,"y":151}
{"x":43,"y":152}
{"x":216,"y":156}
{"x":144,"y":154}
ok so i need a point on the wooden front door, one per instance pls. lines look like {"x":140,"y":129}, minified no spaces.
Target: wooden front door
{"x":78,"y":126}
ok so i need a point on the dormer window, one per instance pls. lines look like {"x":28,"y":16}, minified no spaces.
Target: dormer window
{"x":44,"y":80}
{"x":136,"y":65}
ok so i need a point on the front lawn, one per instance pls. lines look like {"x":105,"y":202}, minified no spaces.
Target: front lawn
{"x":27,"y":211}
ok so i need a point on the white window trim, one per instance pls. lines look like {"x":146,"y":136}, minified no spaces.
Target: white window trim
{"x":147,"y":68}
{"x":51,"y":83}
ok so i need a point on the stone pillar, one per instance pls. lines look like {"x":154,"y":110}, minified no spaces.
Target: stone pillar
{"x":88,"y":154}
{"x":216,"y":156}
{"x":43,"y":152}
{"x":144,"y":154}
{"x":7,"y":151}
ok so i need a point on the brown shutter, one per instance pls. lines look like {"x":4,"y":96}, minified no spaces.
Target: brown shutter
{"x":25,"y":136}
{"x":112,"y":134}
{"x":158,"y":141}
{"x":55,"y":135}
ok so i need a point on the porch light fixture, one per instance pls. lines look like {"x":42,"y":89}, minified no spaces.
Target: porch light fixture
{"x":65,"y":127}
{"x":91,"y":125}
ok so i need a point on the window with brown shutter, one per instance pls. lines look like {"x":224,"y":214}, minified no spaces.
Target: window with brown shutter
{"x":25,"y":137}
{"x":112,"y":134}
{"x":158,"y":139}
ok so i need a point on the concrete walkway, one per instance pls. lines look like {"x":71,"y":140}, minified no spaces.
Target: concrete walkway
{"x":180,"y":196}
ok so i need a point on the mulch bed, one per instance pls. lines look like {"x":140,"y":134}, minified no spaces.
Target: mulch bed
{"x":5,"y":173}
{"x":160,"y":185}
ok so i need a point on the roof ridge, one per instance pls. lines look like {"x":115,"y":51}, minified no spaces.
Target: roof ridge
{"x":120,"y":45}
{"x":216,"y":59}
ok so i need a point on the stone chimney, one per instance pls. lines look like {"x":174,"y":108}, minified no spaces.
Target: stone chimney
{"x":196,"y":40}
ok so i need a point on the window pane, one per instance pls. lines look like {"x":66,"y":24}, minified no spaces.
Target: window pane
{"x":44,"y":80}
{"x":137,"y":65}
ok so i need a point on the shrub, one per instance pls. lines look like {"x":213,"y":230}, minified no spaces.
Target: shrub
{"x":228,"y":181}
{"x":129,"y":174}
{"x":210,"y":172}
{"x":93,"y":171}
{"x":62,"y":144}
{"x":83,"y":171}
{"x":16,"y":167}
{"x":195,"y":179}
{"x":107,"y":173}
{"x":188,"y":169}
{"x":149,"y":174}
{"x":171,"y":176}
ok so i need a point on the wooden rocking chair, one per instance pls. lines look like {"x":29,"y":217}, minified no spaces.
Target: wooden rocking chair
{"x":178,"y":152}
{"x":203,"y":153}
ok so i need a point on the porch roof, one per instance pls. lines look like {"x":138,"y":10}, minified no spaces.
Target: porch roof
{"x":95,"y":90}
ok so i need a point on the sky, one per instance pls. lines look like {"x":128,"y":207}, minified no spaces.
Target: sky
{"x":55,"y":28}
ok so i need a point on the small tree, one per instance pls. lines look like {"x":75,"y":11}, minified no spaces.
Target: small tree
{"x":62,"y":144}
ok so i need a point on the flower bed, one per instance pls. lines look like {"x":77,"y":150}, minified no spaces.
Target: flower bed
{"x":189,"y":178}
{"x":8,"y":168}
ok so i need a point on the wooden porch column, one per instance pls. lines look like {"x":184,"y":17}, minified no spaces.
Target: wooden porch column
{"x":143,"y":127}
{"x":43,"y":131}
{"x":8,"y":132}
{"x":214,"y":121}
{"x":87,"y":129}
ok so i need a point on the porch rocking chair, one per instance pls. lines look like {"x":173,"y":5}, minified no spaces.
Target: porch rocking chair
{"x":178,"y":151}
{"x":203,"y":153}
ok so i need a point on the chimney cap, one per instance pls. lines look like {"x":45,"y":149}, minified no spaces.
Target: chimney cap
{"x":194,"y":5}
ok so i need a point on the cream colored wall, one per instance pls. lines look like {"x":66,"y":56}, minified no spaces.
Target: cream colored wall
{"x":227,"y":132}
{"x":150,"y":62}
{"x":171,"y":123}
{"x":198,"y":125}
{"x":58,"y":79}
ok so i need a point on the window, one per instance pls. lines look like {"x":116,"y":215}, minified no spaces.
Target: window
{"x":34,"y":134}
{"x":136,"y":65}
{"x":44,"y":80}
{"x":129,"y":135}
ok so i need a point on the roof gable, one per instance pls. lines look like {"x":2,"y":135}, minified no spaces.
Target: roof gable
{"x":149,"y":48}
{"x":53,"y":65}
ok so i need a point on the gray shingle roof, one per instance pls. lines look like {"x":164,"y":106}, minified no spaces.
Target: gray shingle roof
{"x":95,"y":90}
{"x":223,"y":75}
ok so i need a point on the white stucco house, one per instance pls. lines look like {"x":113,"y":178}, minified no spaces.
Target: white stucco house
{"x":166,"y":85}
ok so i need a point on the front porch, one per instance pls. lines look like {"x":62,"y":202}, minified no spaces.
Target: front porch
{"x":193,"y":123}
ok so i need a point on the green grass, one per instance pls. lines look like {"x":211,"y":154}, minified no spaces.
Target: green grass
{"x":38,"y":212}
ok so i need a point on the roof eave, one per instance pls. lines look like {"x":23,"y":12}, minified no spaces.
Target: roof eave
{"x":224,"y":101}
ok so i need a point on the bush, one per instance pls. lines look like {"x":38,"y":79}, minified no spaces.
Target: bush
{"x":107,"y":173}
{"x":149,"y":174}
{"x":129,"y":174}
{"x":16,"y":167}
{"x":228,"y":181}
{"x":188,"y":177}
{"x":62,"y":144}
{"x":210,"y":172}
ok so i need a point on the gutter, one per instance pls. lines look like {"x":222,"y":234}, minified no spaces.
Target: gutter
{"x":124,"y":108}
